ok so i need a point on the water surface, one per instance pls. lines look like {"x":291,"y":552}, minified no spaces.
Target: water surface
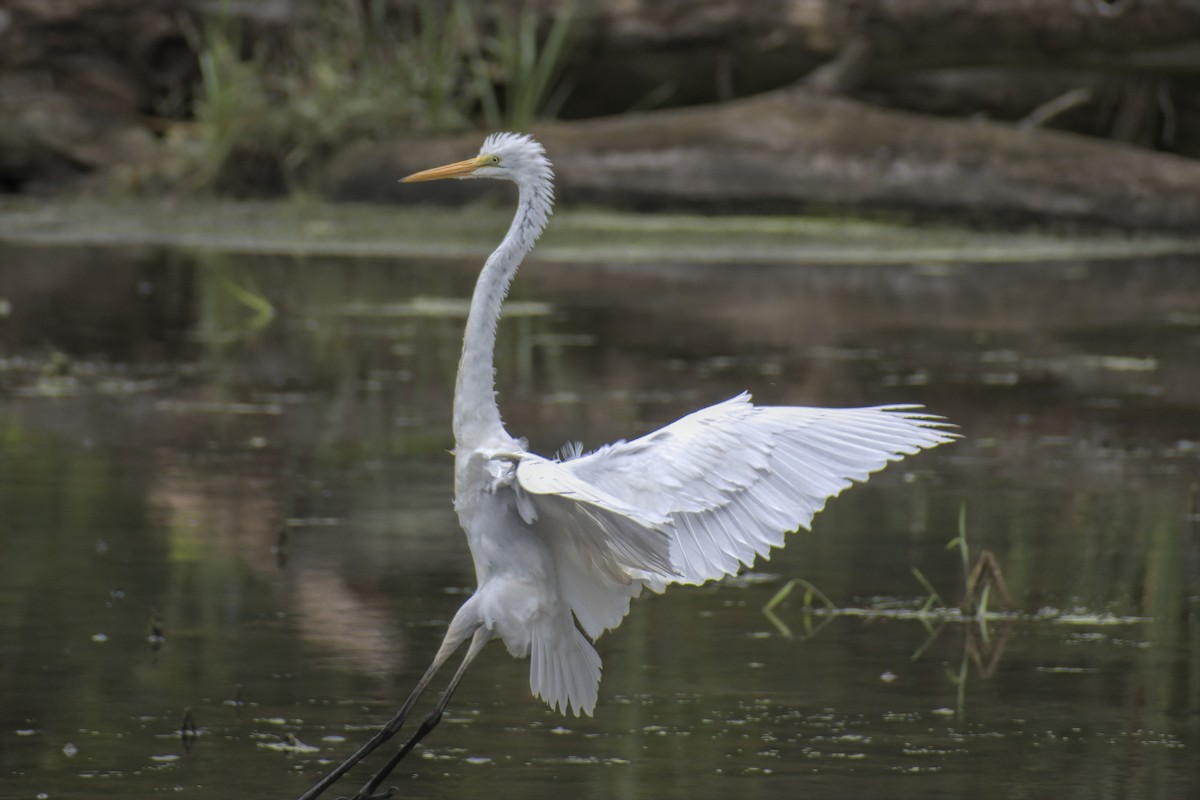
{"x":247,"y":453}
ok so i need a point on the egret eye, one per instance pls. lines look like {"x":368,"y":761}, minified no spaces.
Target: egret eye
{"x":494,"y":161}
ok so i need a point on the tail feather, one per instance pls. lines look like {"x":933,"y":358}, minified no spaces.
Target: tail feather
{"x":564,"y":668}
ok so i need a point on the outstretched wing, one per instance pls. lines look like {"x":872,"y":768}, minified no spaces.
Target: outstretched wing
{"x":733,"y":478}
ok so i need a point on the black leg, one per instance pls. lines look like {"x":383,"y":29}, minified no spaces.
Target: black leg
{"x":482,"y":635}
{"x":390,"y":729}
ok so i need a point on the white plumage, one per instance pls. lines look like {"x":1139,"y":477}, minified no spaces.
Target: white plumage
{"x":689,"y":503}
{"x":728,"y":481}
{"x":565,"y":545}
{"x":695,"y":501}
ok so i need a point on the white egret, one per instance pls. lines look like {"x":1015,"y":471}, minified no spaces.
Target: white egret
{"x":562,"y":546}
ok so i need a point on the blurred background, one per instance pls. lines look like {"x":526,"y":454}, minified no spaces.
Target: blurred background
{"x":803,"y":103}
{"x":228,"y":341}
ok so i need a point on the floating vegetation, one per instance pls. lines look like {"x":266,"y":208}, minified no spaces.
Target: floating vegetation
{"x":439,"y":308}
{"x":212,"y":407}
{"x":818,"y":610}
{"x":314,"y":522}
{"x":57,"y":375}
{"x":583,"y":761}
{"x":579,"y":236}
{"x":954,"y":615}
{"x":289,"y":744}
{"x":271,"y":720}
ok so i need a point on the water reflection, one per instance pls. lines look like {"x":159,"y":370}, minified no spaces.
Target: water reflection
{"x":254,"y":449}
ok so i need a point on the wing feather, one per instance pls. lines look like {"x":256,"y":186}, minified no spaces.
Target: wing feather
{"x":698,"y":498}
{"x":730,"y":480}
{"x":605,"y":529}
{"x":606,"y":549}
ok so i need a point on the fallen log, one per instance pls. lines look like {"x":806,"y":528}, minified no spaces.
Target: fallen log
{"x":792,"y":150}
{"x":1152,"y":34}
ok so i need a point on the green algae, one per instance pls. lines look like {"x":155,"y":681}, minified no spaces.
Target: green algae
{"x":306,"y":227}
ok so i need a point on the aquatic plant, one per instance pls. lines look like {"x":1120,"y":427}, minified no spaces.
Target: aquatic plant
{"x":517,"y":75}
{"x":978,"y":582}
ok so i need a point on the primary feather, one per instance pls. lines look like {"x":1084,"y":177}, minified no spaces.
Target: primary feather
{"x":733,"y":478}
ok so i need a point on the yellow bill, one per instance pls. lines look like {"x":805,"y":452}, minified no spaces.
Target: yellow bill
{"x":459,"y":169}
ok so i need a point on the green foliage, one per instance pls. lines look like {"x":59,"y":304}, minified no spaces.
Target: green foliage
{"x":230,"y":89}
{"x":364,"y":69}
{"x":811,"y":592}
{"x":960,"y":542}
{"x":513,"y":60}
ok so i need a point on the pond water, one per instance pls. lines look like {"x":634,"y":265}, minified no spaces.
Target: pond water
{"x":225,"y":498}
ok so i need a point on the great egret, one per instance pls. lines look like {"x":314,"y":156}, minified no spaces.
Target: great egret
{"x":562,"y":546}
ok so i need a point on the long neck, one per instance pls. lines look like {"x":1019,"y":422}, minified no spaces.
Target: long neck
{"x":476,"y":415}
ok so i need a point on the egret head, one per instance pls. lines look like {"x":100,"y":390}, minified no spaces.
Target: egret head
{"x":512,"y":156}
